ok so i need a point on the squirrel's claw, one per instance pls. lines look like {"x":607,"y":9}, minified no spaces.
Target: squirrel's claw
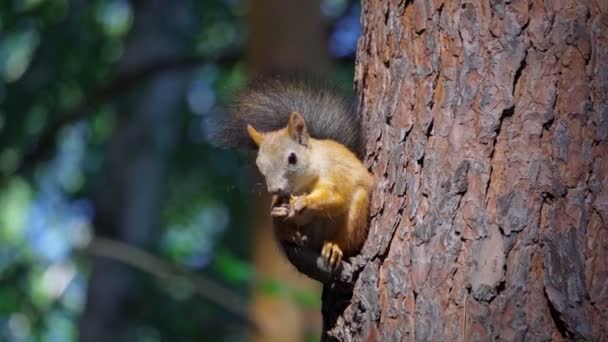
{"x":279,"y":212}
{"x":332,"y":254}
{"x":298,"y":203}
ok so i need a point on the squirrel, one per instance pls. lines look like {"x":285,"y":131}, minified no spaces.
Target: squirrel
{"x":308,"y":136}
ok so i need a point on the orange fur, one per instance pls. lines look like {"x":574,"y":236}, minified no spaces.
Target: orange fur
{"x":341,"y":193}
{"x":336,"y":188}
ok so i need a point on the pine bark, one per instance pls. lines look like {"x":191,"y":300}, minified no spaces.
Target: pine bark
{"x":487,"y":126}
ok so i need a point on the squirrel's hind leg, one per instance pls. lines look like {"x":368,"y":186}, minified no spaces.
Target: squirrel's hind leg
{"x":356,"y":222}
{"x":348,"y":239}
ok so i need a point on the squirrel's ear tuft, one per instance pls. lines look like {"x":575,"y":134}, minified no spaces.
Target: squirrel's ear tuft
{"x":256,"y":136}
{"x":297,"y":128}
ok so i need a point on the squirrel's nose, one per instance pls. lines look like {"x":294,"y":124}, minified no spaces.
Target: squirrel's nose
{"x":276,"y":191}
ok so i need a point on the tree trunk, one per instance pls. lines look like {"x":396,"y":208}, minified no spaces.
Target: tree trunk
{"x":486,"y":128}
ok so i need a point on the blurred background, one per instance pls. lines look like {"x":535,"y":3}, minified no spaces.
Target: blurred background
{"x":119,"y":221}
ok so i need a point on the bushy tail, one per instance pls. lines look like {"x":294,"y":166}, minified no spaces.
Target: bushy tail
{"x":266,"y":104}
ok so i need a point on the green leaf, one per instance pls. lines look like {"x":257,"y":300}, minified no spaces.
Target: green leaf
{"x":14,"y":205}
{"x":232,"y":269}
{"x":307,"y":299}
{"x":273,"y":287}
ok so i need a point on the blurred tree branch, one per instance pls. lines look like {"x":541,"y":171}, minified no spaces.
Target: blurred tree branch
{"x":171,"y":273}
{"x":43,"y":145}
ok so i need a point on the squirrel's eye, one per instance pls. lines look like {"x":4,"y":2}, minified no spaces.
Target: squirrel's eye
{"x":292,"y":159}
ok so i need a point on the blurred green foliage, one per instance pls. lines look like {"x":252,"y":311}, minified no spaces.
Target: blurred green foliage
{"x":59,"y":86}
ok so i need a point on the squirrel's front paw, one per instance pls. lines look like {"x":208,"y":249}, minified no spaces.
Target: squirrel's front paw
{"x":332,"y":254}
{"x":297,"y":204}
{"x":281,"y":211}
